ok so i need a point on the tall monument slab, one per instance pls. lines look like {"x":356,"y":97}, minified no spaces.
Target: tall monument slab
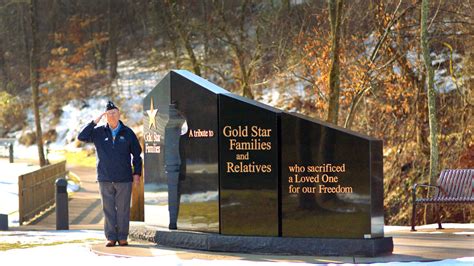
{"x":330,"y":176}
{"x":248,"y":160}
{"x":249,"y":172}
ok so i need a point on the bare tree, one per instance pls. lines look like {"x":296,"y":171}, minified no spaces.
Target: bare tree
{"x":163,"y":18}
{"x":3,"y":70}
{"x":335,"y":14}
{"x":375,"y":55}
{"x":113,"y":19}
{"x":433,"y":121}
{"x":34,"y":77}
{"x":246,"y":50}
{"x":178,"y":14}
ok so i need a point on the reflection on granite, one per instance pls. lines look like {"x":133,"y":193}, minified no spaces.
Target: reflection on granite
{"x":308,"y":142}
{"x":250,"y":169}
{"x":249,"y":183}
{"x":199,"y":155}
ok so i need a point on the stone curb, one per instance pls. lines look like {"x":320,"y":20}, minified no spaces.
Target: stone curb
{"x":263,"y":245}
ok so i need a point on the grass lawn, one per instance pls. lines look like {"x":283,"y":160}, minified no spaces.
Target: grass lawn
{"x":19,"y":245}
{"x":80,"y":158}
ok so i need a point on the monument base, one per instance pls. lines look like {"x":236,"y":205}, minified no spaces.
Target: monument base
{"x":264,"y":245}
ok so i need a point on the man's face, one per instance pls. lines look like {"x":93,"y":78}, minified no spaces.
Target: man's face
{"x":113,"y":117}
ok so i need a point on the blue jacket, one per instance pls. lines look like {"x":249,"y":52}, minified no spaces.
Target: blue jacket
{"x":113,"y":157}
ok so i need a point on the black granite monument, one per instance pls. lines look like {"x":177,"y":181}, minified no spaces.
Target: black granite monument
{"x":259,"y":179}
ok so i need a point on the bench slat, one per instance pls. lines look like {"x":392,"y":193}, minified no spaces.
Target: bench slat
{"x":453,"y":183}
{"x":464,"y":184}
{"x":457,"y":185}
{"x":466,"y":190}
{"x":442,"y":183}
{"x":457,"y":182}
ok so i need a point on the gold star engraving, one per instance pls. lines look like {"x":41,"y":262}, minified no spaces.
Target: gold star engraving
{"x":151,"y":115}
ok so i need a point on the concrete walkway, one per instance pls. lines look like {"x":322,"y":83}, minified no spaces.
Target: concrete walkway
{"x":85,"y":208}
{"x":427,"y":244}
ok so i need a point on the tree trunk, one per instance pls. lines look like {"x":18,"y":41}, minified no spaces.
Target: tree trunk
{"x":23,"y":11}
{"x":335,"y":11}
{"x":238,"y":45}
{"x":3,"y":72}
{"x":114,"y":7}
{"x":244,"y":73}
{"x":183,"y":34}
{"x":207,"y":35}
{"x":113,"y":20}
{"x":164,"y":19}
{"x":34,"y":78}
{"x":433,"y":122}
{"x":189,"y":49}
{"x":3,"y":66}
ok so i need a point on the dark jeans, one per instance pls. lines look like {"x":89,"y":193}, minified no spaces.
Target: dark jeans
{"x":116,"y":207}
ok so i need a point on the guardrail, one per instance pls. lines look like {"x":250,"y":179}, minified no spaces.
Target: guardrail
{"x":36,"y":190}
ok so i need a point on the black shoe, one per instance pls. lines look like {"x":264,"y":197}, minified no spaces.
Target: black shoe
{"x":123,"y":243}
{"x":172,"y":227}
{"x":110,"y":243}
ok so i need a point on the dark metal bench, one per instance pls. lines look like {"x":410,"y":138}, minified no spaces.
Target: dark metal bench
{"x":454,"y":186}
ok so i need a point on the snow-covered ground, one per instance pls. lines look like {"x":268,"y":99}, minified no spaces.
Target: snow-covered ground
{"x":48,"y":237}
{"x":9,"y":187}
{"x":396,"y":228}
{"x":133,"y":84}
{"x":77,"y":251}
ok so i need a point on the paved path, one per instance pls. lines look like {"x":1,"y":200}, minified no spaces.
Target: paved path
{"x":428,"y":244}
{"x":433,"y":244}
{"x":85,"y":208}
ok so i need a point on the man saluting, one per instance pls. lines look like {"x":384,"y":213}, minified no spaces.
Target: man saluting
{"x":114,"y":144}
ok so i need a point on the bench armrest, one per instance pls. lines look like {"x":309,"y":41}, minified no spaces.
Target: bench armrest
{"x":425,"y":186}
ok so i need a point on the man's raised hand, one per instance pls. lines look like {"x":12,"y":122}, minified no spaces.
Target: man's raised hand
{"x":97,"y":120}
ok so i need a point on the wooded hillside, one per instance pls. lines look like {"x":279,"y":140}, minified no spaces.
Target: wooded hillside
{"x":358,"y":64}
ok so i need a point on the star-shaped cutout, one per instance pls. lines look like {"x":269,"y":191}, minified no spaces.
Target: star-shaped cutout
{"x":151,"y":115}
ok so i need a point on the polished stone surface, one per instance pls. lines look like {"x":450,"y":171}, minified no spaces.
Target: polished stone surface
{"x":252,"y":170}
{"x":199,"y":209}
{"x":331,"y":181}
{"x":198,"y":178}
{"x":248,"y":163}
{"x":154,"y":134}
